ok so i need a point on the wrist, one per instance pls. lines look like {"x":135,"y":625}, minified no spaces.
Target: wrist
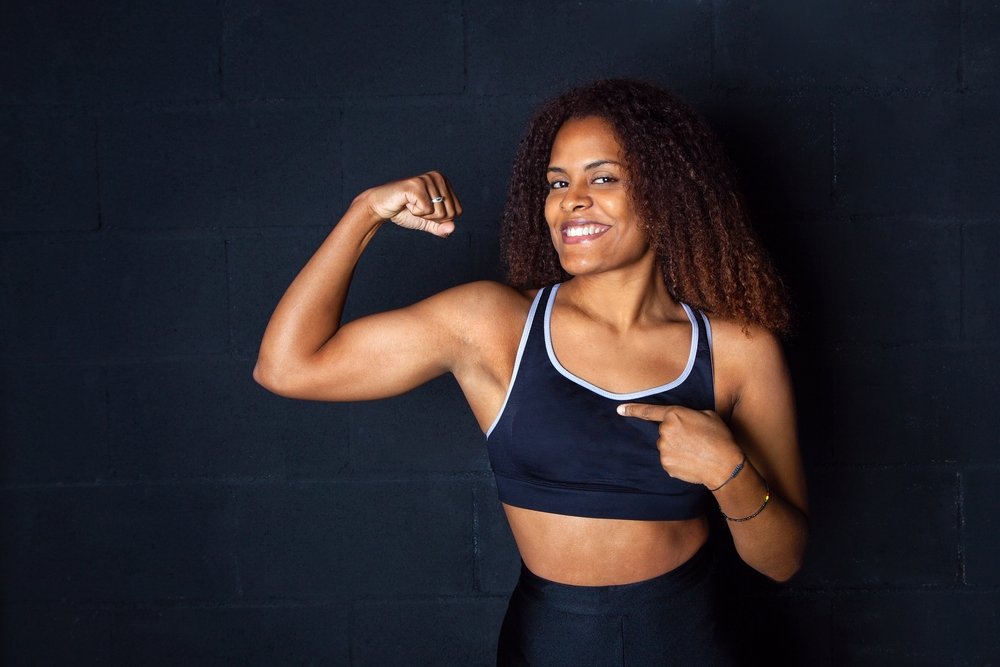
{"x":731,"y":467}
{"x":362,"y":208}
{"x":361,"y":219}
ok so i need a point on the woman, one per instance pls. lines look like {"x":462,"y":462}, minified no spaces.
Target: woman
{"x":617,"y":413}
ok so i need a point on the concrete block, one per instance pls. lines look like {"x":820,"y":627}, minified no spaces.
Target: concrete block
{"x":53,"y":423}
{"x":313,"y":435}
{"x":428,"y":429}
{"x":882,"y":405}
{"x":116,"y":544}
{"x":830,"y":43}
{"x":165,"y":297}
{"x":198,"y":419}
{"x":980,"y":51}
{"x":51,"y":299}
{"x":81,"y":299}
{"x":238,"y":635}
{"x":898,"y":155}
{"x":880,"y":280}
{"x":49,"y":171}
{"x":255,"y":165}
{"x":498,"y":562}
{"x":53,"y":635}
{"x":331,"y":49}
{"x":970,"y":420}
{"x":323,"y":540}
{"x":460,"y":631}
{"x":668,"y":42}
{"x":863,"y":523}
{"x":471,"y":141}
{"x":920,"y":628}
{"x":981,"y":526}
{"x":112,"y":51}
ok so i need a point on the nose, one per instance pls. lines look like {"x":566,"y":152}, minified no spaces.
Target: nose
{"x":575,"y":197}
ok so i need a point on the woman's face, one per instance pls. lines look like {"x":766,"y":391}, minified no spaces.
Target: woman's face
{"x":592,"y":222}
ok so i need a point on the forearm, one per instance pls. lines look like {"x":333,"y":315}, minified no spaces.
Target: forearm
{"x":774,"y":540}
{"x":309,"y":313}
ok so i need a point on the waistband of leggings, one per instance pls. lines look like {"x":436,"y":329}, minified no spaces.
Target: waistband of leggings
{"x":617,"y":597}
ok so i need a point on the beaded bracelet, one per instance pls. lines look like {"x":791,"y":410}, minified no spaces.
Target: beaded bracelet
{"x":767,"y":498}
{"x":736,"y":471}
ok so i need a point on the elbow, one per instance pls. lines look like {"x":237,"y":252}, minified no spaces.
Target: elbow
{"x":298,"y":378}
{"x":290,"y":380}
{"x":787,"y":557}
{"x":792,"y":563}
{"x":270,"y":377}
{"x":786,"y":571}
{"x":260,"y":375}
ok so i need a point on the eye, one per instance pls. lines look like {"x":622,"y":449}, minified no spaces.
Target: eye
{"x":556,"y":185}
{"x":605,"y":179}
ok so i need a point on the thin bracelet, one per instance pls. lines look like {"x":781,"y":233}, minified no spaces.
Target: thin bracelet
{"x":736,"y":471}
{"x":767,"y":498}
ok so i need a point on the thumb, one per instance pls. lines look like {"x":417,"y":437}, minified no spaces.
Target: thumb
{"x":442,"y":229}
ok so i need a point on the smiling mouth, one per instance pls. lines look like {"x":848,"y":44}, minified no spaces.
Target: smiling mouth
{"x":583,"y":232}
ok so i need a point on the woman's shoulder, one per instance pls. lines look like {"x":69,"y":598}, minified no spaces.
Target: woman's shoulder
{"x":743,"y":353}
{"x":488,"y":294}
{"x":740,"y":337}
{"x":483,"y":303}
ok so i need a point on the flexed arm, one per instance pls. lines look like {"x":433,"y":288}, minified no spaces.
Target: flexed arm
{"x":306,"y":353}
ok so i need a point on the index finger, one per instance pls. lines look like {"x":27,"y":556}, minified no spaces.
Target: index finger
{"x":653,"y":413}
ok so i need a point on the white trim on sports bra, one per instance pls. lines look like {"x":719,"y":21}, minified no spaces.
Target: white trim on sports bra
{"x":692,"y":355}
{"x":517,"y":360}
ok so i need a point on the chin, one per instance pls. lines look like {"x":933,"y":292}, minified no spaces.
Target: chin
{"x":575,"y":269}
{"x":575,"y":266}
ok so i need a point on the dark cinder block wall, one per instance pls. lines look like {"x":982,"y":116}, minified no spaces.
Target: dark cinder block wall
{"x":166,"y":168}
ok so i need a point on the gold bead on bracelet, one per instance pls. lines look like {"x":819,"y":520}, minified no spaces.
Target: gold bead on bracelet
{"x":767,"y":498}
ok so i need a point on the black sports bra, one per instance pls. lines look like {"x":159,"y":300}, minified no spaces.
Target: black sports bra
{"x":559,"y":446}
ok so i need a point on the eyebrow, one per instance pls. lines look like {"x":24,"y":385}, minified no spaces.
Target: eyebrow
{"x":586,"y":167}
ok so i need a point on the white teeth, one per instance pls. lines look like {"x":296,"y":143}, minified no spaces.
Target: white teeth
{"x":583,"y":230}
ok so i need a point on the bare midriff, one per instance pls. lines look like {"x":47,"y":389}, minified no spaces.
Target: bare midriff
{"x":602,"y":552}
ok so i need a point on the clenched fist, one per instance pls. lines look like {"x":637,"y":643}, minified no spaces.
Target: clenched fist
{"x":425,"y":202}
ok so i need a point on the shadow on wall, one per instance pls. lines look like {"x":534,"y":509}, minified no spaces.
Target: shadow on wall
{"x":781,"y":151}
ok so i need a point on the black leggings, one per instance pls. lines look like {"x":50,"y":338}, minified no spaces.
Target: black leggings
{"x":667,"y":620}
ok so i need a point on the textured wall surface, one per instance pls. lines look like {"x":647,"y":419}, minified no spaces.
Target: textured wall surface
{"x":166,"y":168}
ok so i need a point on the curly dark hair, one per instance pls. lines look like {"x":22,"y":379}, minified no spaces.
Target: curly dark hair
{"x":682,"y":187}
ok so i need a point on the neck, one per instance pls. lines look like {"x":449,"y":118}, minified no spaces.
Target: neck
{"x":621,"y":301}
